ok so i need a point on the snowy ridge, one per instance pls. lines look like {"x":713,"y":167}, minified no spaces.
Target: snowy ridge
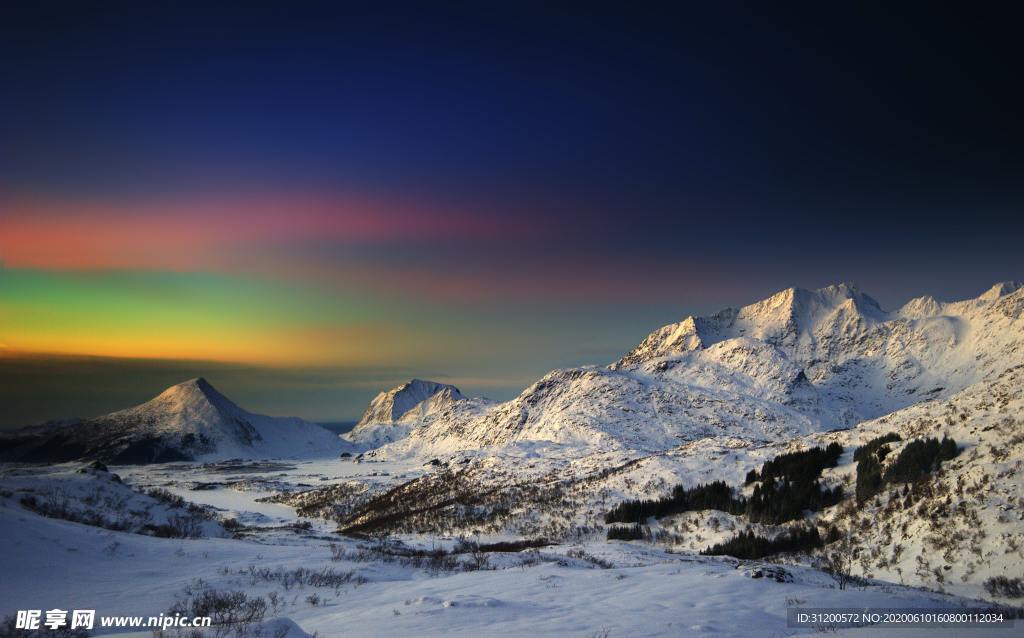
{"x":798,"y":362}
{"x":802,"y":323}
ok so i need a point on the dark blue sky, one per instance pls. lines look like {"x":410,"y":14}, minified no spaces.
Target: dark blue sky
{"x":670,"y":158}
{"x":794,"y":110}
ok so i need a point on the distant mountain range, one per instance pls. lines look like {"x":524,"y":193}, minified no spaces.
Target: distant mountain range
{"x":797,"y":362}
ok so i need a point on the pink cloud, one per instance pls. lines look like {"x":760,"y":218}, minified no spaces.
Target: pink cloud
{"x":199,"y":234}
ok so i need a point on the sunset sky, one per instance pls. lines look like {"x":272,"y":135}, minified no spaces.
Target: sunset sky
{"x":308,"y":204}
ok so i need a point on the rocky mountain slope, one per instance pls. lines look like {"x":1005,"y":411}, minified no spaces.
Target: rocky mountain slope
{"x":188,"y":421}
{"x":798,"y":362}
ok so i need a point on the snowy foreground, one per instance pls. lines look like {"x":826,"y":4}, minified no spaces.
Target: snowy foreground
{"x":592,"y":588}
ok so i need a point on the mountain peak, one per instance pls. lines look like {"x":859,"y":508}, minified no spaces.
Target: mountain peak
{"x":799,"y":299}
{"x":848,"y":287}
{"x":845,"y":290}
{"x":784,"y":319}
{"x":196,"y":384}
{"x":414,"y":382}
{"x":1001,"y":289}
{"x":415,"y":397}
{"x":920,"y":307}
{"x":195,"y":393}
{"x":793,"y":309}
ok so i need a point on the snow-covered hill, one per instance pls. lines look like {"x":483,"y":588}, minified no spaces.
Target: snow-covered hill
{"x":798,"y":362}
{"x":393,"y":414}
{"x":409,"y":402}
{"x":188,"y":421}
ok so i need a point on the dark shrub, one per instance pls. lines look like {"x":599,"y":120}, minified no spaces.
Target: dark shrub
{"x":799,"y":467}
{"x":225,"y":608}
{"x":166,"y":497}
{"x":871,"y":447}
{"x":789,"y":486}
{"x":1005,"y":587}
{"x":713,"y":496}
{"x":916,"y":459}
{"x":920,"y":457}
{"x":748,"y":545}
{"x":784,"y":501}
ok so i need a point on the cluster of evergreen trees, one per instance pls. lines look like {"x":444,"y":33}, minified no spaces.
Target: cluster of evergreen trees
{"x":916,"y":459}
{"x":876,"y":446}
{"x":869,"y":464}
{"x":789,"y":487}
{"x":747,"y":545}
{"x":920,"y":457}
{"x":785,"y":500}
{"x":629,"y":533}
{"x":802,"y":467}
{"x":713,"y":496}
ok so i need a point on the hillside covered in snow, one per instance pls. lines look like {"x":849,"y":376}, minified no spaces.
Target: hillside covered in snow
{"x":952,"y":527}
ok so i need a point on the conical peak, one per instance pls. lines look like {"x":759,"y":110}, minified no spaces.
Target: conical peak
{"x":194,"y":392}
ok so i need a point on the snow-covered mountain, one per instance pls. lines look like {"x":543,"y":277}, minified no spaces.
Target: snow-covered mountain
{"x":188,"y":421}
{"x":806,"y":325}
{"x":798,"y":362}
{"x":409,"y":402}
{"x":392,"y":414}
{"x":949,"y":530}
{"x":848,"y":346}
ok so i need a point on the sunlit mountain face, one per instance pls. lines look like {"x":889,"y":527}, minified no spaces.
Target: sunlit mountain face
{"x":309,"y":205}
